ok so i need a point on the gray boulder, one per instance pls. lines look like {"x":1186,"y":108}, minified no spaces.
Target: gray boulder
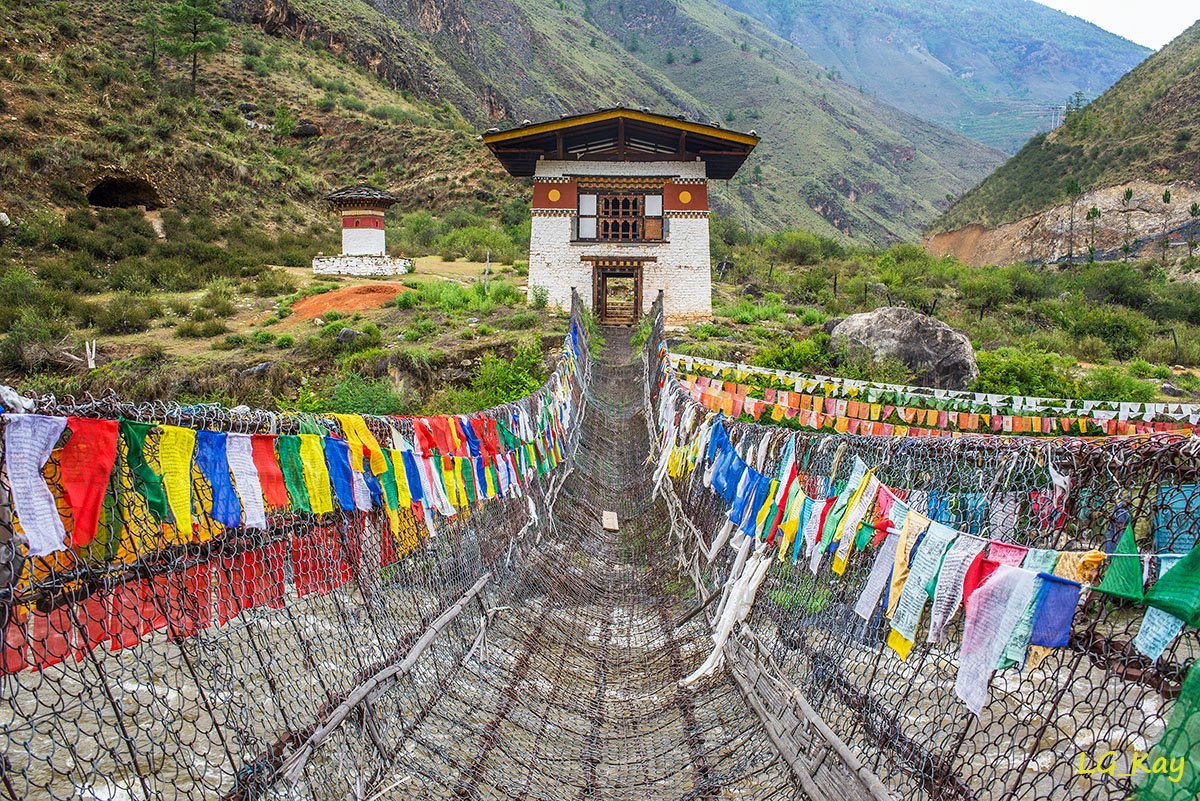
{"x":347,"y":335}
{"x":938,"y":355}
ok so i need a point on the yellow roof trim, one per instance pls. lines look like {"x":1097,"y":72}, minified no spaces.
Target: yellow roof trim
{"x":600,"y":116}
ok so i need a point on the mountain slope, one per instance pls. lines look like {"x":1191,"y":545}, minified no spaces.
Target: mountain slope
{"x":990,"y":69}
{"x":1143,"y":134}
{"x":78,"y":105}
{"x":832,"y":159}
{"x":1146,"y":127}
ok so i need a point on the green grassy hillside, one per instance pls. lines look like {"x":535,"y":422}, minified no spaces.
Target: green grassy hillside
{"x":832,"y":159}
{"x":990,"y":69}
{"x":1145,"y":127}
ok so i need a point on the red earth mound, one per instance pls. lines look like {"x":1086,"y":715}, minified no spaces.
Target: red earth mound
{"x":350,"y":299}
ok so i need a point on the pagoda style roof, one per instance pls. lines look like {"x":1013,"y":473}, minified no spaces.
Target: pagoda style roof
{"x":361,"y":194}
{"x":621,"y":134}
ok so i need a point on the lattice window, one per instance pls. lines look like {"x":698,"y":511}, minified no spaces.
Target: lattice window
{"x":620,"y":217}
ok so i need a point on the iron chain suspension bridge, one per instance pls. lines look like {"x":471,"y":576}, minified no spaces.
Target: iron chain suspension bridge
{"x":606,"y":590}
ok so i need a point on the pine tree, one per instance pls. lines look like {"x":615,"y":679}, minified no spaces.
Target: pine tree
{"x":1165,"y":241}
{"x":1073,"y":191}
{"x":150,"y":26}
{"x":1093,"y":214}
{"x":194,"y":31}
{"x":1194,"y":211}
{"x":1127,"y":245}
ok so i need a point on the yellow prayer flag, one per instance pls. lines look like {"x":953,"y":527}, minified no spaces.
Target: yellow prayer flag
{"x":360,"y":436}
{"x":316,"y":474}
{"x":175,"y":448}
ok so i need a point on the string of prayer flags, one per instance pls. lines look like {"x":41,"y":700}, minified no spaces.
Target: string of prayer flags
{"x":239,"y":451}
{"x":176,"y":446}
{"x":911,"y":604}
{"x":146,"y":482}
{"x":85,"y":466}
{"x":948,"y":592}
{"x":213,"y":460}
{"x":1057,"y":600}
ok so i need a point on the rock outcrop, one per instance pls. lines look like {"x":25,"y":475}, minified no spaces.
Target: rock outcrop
{"x":938,"y":355}
{"x":1045,"y":237}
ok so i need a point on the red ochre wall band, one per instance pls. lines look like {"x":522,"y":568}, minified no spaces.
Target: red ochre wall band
{"x":685,"y":197}
{"x":555,"y":194}
{"x":362,"y":221}
{"x":565,"y":195}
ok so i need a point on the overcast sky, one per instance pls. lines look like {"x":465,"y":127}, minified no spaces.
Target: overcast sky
{"x":1152,"y":23}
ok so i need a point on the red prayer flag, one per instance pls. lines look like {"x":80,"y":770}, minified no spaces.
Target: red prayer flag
{"x":269,"y":475}
{"x":979,"y":572}
{"x":12,"y":658}
{"x":49,"y":637}
{"x":86,"y":462}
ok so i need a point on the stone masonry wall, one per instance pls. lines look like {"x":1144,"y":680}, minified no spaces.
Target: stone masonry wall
{"x":360,"y":265}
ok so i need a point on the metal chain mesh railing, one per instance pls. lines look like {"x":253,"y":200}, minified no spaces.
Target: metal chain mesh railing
{"x":1045,"y":726}
{"x":296,"y":661}
{"x":529,"y":648}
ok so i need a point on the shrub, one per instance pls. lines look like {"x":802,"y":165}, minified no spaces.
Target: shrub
{"x":1122,"y":331}
{"x":518,"y":322}
{"x":127,"y":314}
{"x":32,"y":339}
{"x":408,"y":299}
{"x":539,"y":297}
{"x":1024,"y":371}
{"x":273,"y":283}
{"x":193,"y":329}
{"x":803,"y":356}
{"x":356,"y":394}
{"x":1111,"y":384}
{"x":285,"y":341}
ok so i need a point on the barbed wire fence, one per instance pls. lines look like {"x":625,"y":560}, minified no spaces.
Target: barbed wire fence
{"x":1047,"y":724}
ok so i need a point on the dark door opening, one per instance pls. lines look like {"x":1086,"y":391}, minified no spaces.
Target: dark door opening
{"x":617,"y":292}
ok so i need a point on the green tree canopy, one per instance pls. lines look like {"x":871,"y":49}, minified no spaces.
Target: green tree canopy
{"x":194,"y":31}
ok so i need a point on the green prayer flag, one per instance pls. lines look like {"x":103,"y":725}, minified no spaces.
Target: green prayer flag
{"x":1178,"y":746}
{"x":146,"y":482}
{"x":391,"y":494}
{"x":466,"y":468}
{"x":1177,"y":591}
{"x":292,"y":466}
{"x":865,"y":532}
{"x":1124,"y":575}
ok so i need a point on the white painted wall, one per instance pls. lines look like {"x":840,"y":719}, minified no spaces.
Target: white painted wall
{"x":363,"y":242}
{"x":683,"y":266}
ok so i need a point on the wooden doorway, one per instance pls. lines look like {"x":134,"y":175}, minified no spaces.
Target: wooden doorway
{"x":617,"y":291}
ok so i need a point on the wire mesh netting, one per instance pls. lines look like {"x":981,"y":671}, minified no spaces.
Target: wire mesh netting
{"x":1048,"y":723}
{"x":541,"y":644}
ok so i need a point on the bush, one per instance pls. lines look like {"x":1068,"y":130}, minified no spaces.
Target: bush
{"x":539,"y":297}
{"x":193,"y":329}
{"x":1111,"y":384}
{"x":476,"y":242}
{"x":285,"y":341}
{"x":32,"y":339}
{"x":355,"y":394}
{"x":1024,"y":371}
{"x":1122,"y":331}
{"x":273,"y":283}
{"x":127,"y":314}
{"x":803,"y":356}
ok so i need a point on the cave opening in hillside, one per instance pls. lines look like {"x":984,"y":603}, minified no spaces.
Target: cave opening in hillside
{"x":124,"y":193}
